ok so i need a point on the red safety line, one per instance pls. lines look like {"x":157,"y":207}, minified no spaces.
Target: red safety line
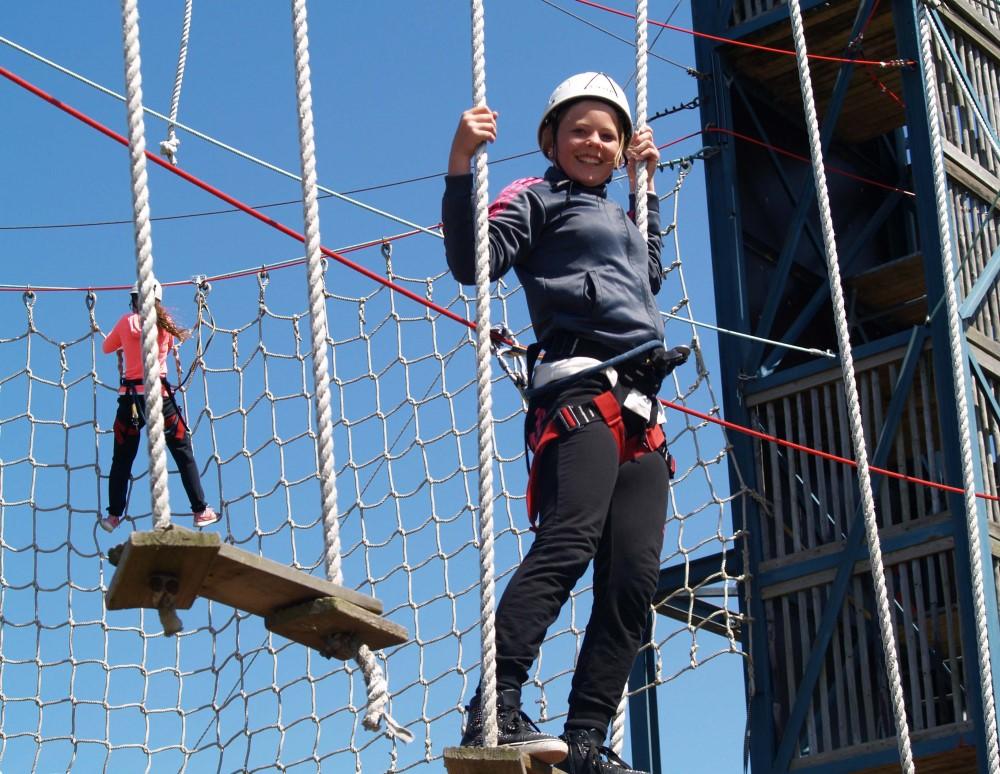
{"x":821,"y":454}
{"x":745,"y":44}
{"x":413,"y":296}
{"x":827,"y":167}
{"x":229,"y":199}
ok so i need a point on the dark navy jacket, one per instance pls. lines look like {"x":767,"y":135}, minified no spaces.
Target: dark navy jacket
{"x":582,"y":262}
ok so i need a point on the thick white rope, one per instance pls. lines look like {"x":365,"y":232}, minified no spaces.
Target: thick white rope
{"x":641,"y":222}
{"x":159,"y":495}
{"x":483,"y":384}
{"x":851,"y":390}
{"x":169,"y":146}
{"x":378,"y":696}
{"x":958,"y":375}
{"x":641,"y":100}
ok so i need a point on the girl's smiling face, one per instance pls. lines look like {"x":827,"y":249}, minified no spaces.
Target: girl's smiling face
{"x":588,"y":142}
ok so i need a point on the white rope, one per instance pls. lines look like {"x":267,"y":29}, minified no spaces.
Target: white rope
{"x":958,"y":375}
{"x":851,"y":390}
{"x":169,"y":146}
{"x":483,"y":382}
{"x":159,"y":495}
{"x":641,"y":69}
{"x":377,"y":692}
{"x":641,"y":222}
{"x":219,"y":144}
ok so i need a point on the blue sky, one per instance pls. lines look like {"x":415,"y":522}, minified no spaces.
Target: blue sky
{"x":389,"y":81}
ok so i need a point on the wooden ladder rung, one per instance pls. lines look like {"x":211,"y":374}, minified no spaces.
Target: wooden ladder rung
{"x":293,"y":603}
{"x":492,"y":760}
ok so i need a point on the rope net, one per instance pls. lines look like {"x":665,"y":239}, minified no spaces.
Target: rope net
{"x":85,"y":687}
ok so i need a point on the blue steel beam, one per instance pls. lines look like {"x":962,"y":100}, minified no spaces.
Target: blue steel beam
{"x":766,"y":19}
{"x":853,"y":551}
{"x":984,"y":284}
{"x":906,"y":15}
{"x":824,"y":365}
{"x":728,"y":271}
{"x":866,"y":758}
{"x":823,"y":291}
{"x":643,"y":712}
{"x":697,"y":571}
{"x":776,"y":162}
{"x":805,"y":203}
{"x":911,"y":537}
{"x":984,"y":387}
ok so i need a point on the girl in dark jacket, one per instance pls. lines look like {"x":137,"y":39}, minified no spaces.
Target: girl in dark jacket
{"x":598,"y":484}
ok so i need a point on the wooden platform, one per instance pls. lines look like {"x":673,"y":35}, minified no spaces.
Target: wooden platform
{"x":896,"y":289}
{"x":294,"y":604}
{"x":867,"y":112}
{"x":492,"y":760}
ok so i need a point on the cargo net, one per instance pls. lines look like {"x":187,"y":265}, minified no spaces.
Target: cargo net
{"x":92,"y":689}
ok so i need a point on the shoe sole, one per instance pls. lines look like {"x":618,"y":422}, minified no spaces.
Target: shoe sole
{"x":545,"y":750}
{"x":206,"y":523}
{"x":107,"y":527}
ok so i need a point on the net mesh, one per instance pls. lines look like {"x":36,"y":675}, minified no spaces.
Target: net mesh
{"x":86,"y":688}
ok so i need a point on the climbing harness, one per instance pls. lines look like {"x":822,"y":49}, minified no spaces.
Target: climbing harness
{"x":644,"y":372}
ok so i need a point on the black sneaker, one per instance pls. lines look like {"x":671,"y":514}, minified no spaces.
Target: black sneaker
{"x":588,"y":756}
{"x":515,"y":729}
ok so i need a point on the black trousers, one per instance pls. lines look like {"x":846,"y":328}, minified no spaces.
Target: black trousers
{"x":591,"y":508}
{"x":129,"y":420}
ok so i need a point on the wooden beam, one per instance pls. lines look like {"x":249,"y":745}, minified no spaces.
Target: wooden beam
{"x":182,"y":553}
{"x":491,"y":760}
{"x":312,"y":623}
{"x":261,"y":586}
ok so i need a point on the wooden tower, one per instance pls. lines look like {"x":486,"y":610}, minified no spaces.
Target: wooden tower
{"x":817,"y":689}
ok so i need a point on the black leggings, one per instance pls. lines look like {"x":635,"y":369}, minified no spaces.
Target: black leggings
{"x":590,"y":508}
{"x":129,"y":421}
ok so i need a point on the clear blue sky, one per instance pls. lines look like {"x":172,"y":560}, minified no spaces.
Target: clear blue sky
{"x":389,"y":81}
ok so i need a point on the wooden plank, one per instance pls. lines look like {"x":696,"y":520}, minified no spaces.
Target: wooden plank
{"x":313,"y":622}
{"x":491,"y":760}
{"x":261,"y":586}
{"x":183,"y":553}
{"x":897,"y":284}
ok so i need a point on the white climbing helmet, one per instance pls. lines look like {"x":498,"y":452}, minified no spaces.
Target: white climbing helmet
{"x":157,"y":290}
{"x":598,"y":86}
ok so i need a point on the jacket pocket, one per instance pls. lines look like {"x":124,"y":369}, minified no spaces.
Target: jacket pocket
{"x":591,"y":292}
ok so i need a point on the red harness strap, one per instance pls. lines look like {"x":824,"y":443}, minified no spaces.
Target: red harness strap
{"x":569,"y":418}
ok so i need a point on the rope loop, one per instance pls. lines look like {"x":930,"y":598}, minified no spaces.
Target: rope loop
{"x":90,"y":300}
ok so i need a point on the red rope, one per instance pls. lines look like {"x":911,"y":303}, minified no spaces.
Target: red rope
{"x":229,"y":199}
{"x":789,"y":154}
{"x":821,"y":454}
{"x":745,"y":44}
{"x":441,"y":310}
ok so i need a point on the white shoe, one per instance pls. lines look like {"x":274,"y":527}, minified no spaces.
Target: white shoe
{"x":205,"y":517}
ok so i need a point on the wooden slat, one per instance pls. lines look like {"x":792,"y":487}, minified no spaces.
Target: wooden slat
{"x":183,"y":553}
{"x":293,"y":603}
{"x":261,"y":586}
{"x":313,"y":622}
{"x":491,"y":760}
{"x":897,"y":287}
{"x":961,"y":760}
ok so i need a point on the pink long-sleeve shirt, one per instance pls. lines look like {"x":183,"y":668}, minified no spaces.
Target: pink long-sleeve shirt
{"x":127,"y":336}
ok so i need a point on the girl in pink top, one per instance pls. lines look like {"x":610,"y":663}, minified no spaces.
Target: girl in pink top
{"x":126,"y":336}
